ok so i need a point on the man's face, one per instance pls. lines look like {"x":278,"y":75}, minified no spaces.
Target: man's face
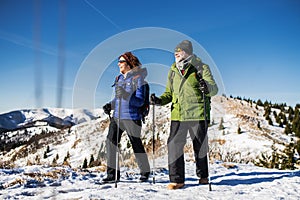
{"x":180,"y":55}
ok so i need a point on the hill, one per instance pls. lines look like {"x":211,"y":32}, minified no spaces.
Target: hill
{"x":234,"y":135}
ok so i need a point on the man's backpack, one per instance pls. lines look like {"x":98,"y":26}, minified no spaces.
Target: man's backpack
{"x":144,"y":109}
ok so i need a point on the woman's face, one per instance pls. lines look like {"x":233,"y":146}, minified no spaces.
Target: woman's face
{"x":124,"y":67}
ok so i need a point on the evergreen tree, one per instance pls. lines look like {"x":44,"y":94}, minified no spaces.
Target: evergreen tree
{"x":288,"y":157}
{"x":291,"y":116}
{"x":291,"y":110}
{"x":258,"y":125}
{"x":92,"y":160}
{"x":84,"y":165}
{"x":283,"y":118}
{"x":221,"y":126}
{"x":259,"y":102}
{"x":267,"y":112}
{"x":38,"y":159}
{"x":297,"y":146}
{"x":46,"y":152}
{"x":67,"y":157}
{"x":45,"y":155}
{"x":274,"y":161}
{"x":296,"y":123}
{"x":283,"y":160}
{"x":278,"y":119}
{"x":280,"y":124}
{"x":288,"y":129}
{"x":239,"y":131}
{"x":270,"y":122}
{"x":267,"y":104}
{"x":48,"y":149}
{"x":275,"y":114}
{"x":54,"y":162}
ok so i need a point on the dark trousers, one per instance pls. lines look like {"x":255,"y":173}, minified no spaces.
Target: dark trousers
{"x":133,"y":129}
{"x":176,"y":143}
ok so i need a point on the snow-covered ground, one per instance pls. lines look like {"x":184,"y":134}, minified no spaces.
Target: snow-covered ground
{"x":229,"y":181}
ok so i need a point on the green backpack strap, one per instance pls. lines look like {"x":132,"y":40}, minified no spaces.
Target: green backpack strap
{"x":171,"y":77}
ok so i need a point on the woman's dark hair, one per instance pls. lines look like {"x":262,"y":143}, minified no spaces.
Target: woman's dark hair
{"x":131,"y":59}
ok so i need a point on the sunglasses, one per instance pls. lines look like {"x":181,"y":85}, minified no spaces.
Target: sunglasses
{"x":121,"y":61}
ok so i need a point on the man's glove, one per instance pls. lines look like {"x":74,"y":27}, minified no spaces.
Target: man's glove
{"x":155,"y":100}
{"x":107,"y":108}
{"x":120,"y":92}
{"x":203,"y":86}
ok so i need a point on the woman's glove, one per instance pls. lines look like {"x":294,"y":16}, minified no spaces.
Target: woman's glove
{"x":121,"y":92}
{"x":107,"y":108}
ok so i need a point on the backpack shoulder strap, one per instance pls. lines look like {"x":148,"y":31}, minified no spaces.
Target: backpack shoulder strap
{"x":116,"y":80}
{"x":171,"y":77}
{"x":134,"y":81}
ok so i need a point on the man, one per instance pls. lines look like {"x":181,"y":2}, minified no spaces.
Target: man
{"x":130,"y":95}
{"x":188,"y":80}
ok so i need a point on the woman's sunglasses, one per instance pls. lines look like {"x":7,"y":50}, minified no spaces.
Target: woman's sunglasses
{"x":121,"y":61}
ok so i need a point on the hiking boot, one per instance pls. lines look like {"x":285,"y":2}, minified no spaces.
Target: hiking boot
{"x":175,"y":186}
{"x":109,"y":179}
{"x":144,"y":177}
{"x":203,"y":181}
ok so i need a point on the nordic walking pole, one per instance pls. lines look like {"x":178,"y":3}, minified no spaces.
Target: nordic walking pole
{"x":117,"y":147}
{"x":206,"y":130}
{"x":153,"y":141}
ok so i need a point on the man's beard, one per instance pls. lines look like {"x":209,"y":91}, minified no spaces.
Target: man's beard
{"x":182,"y":55}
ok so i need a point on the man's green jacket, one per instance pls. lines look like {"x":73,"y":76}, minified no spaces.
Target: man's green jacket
{"x":185,"y":94}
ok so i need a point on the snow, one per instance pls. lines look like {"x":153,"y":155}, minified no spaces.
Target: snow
{"x":241,"y":181}
{"x":235,"y":177}
{"x":53,"y":116}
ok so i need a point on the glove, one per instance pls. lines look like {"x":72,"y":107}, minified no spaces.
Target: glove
{"x":155,"y":100}
{"x":107,"y":108}
{"x":203,"y":86}
{"x":120,"y":92}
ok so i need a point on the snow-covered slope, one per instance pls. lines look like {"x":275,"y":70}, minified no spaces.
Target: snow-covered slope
{"x":87,"y":136}
{"x":252,"y":140}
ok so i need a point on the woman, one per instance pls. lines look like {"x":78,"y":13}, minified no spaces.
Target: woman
{"x":130,"y":95}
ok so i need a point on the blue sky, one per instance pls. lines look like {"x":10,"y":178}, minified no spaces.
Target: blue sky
{"x":255,"y":45}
